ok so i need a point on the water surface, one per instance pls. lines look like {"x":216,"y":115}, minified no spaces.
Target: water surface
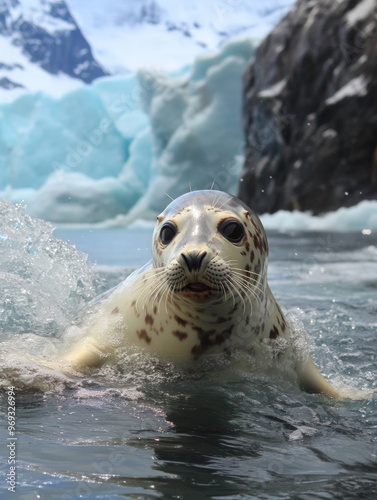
{"x":219,"y":432}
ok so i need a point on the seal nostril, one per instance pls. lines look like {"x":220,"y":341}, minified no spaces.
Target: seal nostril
{"x":199,"y":259}
{"x":189,"y":261}
{"x":193,"y":260}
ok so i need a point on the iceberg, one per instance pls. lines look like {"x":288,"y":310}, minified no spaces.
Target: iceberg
{"x":111,"y":150}
{"x":357,"y":218}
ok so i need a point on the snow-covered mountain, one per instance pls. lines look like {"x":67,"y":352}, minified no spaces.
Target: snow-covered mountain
{"x":40,"y":38}
{"x":168,"y":34}
{"x":56,"y":45}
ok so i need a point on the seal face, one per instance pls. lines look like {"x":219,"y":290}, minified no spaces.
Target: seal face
{"x":204,"y":291}
{"x":211,"y":247}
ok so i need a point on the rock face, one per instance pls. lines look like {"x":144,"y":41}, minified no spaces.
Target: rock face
{"x":310,"y":110}
{"x":48,"y":36}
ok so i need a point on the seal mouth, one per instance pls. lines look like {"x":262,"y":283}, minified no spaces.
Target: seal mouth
{"x":197,"y":287}
{"x":197,"y":290}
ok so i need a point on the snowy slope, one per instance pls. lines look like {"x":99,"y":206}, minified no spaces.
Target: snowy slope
{"x":38,"y":39}
{"x":168,"y":34}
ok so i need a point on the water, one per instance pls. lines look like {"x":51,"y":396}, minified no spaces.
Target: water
{"x":220,"y":432}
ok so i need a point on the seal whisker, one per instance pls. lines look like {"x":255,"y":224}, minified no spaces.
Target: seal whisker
{"x":164,"y":291}
{"x":248,"y":271}
{"x":234,"y":287}
{"x":227,"y":291}
{"x":242,"y":270}
{"x":217,"y":200}
{"x":225,"y":202}
{"x":249,"y":288}
{"x":251,"y":283}
{"x":245,"y":275}
{"x":246,"y":288}
{"x":172,"y":199}
{"x":169,"y":295}
{"x":249,"y":280}
{"x":139,"y":280}
{"x":144,"y":285}
{"x":156,"y":293}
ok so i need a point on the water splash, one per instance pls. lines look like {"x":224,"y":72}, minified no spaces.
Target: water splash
{"x":44,"y":281}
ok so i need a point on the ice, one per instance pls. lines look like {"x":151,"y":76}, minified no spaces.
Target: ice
{"x":40,"y":135}
{"x":75,"y":197}
{"x":361,"y":217}
{"x":197,"y":130}
{"x":117,"y":146}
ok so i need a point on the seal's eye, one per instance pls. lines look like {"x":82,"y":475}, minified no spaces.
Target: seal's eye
{"x":232,"y":230}
{"x":167,"y":233}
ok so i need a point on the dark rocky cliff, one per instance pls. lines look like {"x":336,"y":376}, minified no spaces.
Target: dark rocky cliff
{"x":310,"y":109}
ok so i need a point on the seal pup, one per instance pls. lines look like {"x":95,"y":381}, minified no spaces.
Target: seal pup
{"x":204,"y":291}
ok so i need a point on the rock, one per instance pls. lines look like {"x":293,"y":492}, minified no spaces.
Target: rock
{"x":310,"y":110}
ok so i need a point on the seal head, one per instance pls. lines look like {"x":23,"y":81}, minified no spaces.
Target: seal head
{"x":212,"y":246}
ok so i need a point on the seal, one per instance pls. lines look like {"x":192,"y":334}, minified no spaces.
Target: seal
{"x":204,"y":291}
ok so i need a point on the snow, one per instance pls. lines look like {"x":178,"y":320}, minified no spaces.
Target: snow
{"x":123,"y":41}
{"x":361,"y":11}
{"x":361,"y":217}
{"x":37,"y":12}
{"x":117,"y":146}
{"x":273,"y":91}
{"x":30,"y":75}
{"x":357,"y":86}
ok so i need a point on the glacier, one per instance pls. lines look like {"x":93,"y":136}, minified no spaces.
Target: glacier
{"x":111,"y":150}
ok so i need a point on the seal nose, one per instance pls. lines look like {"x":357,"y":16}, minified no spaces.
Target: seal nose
{"x":193,"y":260}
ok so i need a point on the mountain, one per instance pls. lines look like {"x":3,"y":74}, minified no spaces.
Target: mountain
{"x":40,"y":38}
{"x":168,"y":34}
{"x":56,"y":45}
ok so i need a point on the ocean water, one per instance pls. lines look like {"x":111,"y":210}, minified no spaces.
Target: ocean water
{"x":220,"y":431}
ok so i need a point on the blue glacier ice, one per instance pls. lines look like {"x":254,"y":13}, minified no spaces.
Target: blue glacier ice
{"x":111,"y":150}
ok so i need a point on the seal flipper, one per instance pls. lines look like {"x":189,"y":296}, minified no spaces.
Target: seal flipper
{"x":311,"y":380}
{"x":86,"y":354}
